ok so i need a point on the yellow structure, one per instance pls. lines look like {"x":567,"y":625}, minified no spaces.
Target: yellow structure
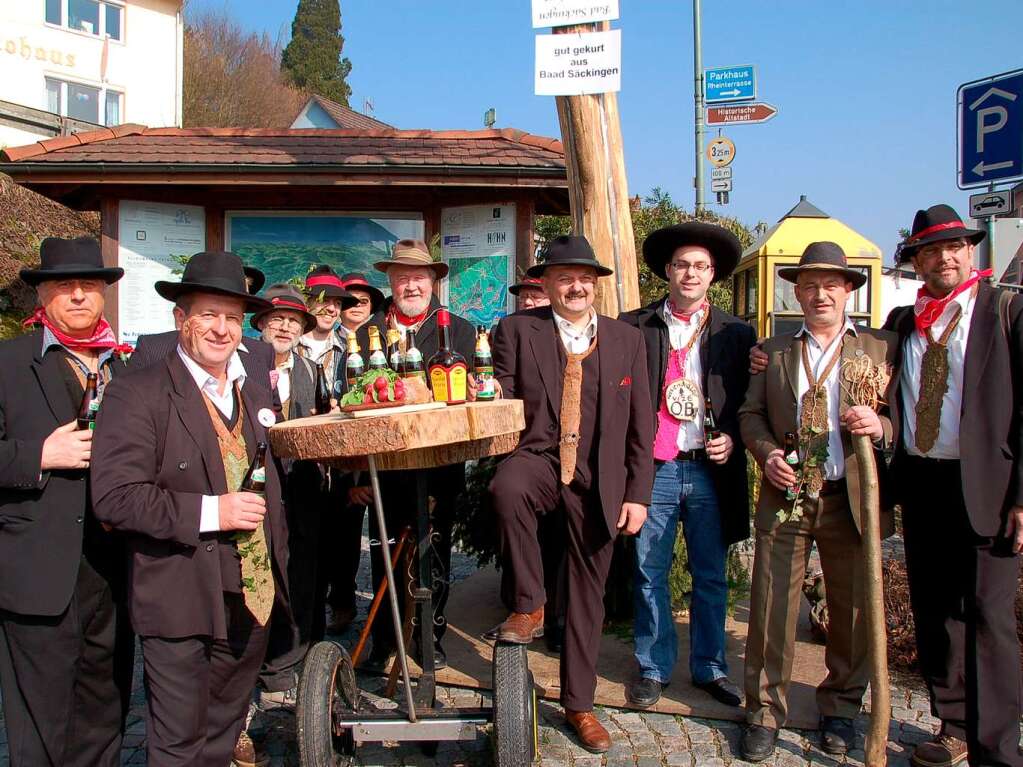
{"x":768,"y":303}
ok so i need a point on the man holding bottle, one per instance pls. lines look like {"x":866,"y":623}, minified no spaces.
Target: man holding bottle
{"x":207,"y":561}
{"x":697,"y":362}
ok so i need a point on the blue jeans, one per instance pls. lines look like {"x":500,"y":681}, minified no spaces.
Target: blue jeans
{"x":683,"y":491}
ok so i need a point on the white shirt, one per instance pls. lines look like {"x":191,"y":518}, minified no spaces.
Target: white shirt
{"x":209,"y":512}
{"x":834,"y":467}
{"x":576,"y":341}
{"x":947,"y":444}
{"x":690,"y":433}
{"x":284,"y":378}
{"x":316,"y":349}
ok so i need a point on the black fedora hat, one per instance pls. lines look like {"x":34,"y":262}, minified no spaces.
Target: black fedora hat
{"x":823,"y":257}
{"x":938,"y":222}
{"x":218,"y":272}
{"x":724,"y":247}
{"x":80,"y":257}
{"x":285,"y":296}
{"x":254,"y":278}
{"x":354,"y":281}
{"x":323,"y":282}
{"x":568,"y":250}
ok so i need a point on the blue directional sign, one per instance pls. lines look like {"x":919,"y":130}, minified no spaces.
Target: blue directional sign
{"x":729,"y":84}
{"x":990,"y":130}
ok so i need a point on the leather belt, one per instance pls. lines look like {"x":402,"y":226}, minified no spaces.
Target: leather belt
{"x":697,"y":454}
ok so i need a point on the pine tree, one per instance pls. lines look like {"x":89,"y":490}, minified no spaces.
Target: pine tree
{"x":312,"y":60}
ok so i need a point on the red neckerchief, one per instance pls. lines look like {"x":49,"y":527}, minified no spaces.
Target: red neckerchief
{"x":403,"y":319}
{"x":684,"y":316}
{"x":102,"y":336}
{"x":928,"y":308}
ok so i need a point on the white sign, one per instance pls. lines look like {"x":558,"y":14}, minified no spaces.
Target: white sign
{"x":151,"y":234}
{"x":562,"y":13}
{"x":573,"y":65}
{"x":478,"y":244}
{"x":724,"y":185}
{"x":990,"y":203}
{"x":717,"y":174}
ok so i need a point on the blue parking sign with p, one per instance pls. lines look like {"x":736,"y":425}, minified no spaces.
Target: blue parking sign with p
{"x":990,"y":129}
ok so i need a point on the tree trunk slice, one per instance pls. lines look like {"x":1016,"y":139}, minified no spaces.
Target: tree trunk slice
{"x":416,"y":439}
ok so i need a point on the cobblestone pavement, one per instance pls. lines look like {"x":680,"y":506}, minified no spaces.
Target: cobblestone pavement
{"x":640,"y":739}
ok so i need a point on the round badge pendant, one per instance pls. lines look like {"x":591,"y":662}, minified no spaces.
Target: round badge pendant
{"x":266,"y":417}
{"x":682,"y":399}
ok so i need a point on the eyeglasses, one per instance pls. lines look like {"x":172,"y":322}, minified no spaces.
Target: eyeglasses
{"x":280,"y":322}
{"x":685,"y":266}
{"x":938,"y":248}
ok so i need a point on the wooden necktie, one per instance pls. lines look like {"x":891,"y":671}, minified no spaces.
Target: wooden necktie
{"x":934,"y":371}
{"x":571,"y":412}
{"x":813,"y":417}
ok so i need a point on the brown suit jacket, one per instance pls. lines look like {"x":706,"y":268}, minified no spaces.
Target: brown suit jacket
{"x":770,"y":411}
{"x":529,"y":362}
{"x":154,"y":456}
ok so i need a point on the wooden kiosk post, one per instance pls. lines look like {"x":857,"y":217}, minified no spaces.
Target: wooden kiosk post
{"x":598,"y":192}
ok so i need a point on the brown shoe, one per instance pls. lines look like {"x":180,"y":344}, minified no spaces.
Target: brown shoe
{"x":943,"y":751}
{"x":591,"y":733}
{"x":247,"y":755}
{"x":521,"y":628}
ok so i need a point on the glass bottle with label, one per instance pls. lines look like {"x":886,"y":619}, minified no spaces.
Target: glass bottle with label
{"x":90,"y":403}
{"x":710,"y":424}
{"x":377,"y":358}
{"x":321,"y":393}
{"x":354,"y":366}
{"x":448,"y":370}
{"x":483,"y":366}
{"x":255,"y":477}
{"x":413,"y":362}
{"x":791,"y":454}
{"x":394,"y":356}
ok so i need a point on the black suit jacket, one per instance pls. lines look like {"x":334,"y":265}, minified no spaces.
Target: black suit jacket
{"x":529,"y":366}
{"x":42,"y":515}
{"x":724,"y":360}
{"x":990,"y":439}
{"x":155,"y":456}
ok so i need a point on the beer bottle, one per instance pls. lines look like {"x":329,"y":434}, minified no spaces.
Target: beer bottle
{"x":394,"y":349}
{"x":483,"y":366}
{"x":354,"y":366}
{"x":710,"y":425}
{"x":791,"y":454}
{"x":321,"y":394}
{"x":447,"y":368}
{"x":377,"y":358}
{"x":90,"y":404}
{"x":413,"y":362}
{"x":255,"y":477}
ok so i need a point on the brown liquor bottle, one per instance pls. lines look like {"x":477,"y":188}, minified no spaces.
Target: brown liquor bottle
{"x":90,"y":403}
{"x":791,"y":454}
{"x":447,"y":368}
{"x":412,"y":363}
{"x":255,"y":477}
{"x":710,"y":424}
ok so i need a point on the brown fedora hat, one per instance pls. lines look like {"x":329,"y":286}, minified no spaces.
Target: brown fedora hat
{"x":284,"y":296}
{"x":823,"y":257}
{"x":412,"y":253}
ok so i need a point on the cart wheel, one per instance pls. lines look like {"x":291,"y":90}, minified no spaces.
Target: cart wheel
{"x":327,"y":696}
{"x":515,"y":720}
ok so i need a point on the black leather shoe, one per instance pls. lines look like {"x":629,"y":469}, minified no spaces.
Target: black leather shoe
{"x":721,"y":690}
{"x":440,"y":658}
{"x":758,"y":742}
{"x":838,"y":736}
{"x":554,"y":638}
{"x":644,"y":692}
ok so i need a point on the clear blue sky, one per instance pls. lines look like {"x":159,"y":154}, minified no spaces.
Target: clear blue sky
{"x":865,"y":91}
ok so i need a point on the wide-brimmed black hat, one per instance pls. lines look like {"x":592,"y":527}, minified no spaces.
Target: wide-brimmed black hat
{"x":80,"y":257}
{"x":530,"y":283}
{"x":355,"y":281}
{"x":254,"y":278}
{"x":724,"y":247}
{"x":568,"y":250}
{"x":323,"y":282}
{"x":285,"y":296}
{"x":219,"y":272}
{"x":938,"y":222}
{"x":823,"y":257}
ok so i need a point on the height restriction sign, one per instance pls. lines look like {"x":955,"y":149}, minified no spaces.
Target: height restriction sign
{"x":721,"y":152}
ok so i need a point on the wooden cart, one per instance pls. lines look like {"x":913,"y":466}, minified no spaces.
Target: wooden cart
{"x":332,"y":719}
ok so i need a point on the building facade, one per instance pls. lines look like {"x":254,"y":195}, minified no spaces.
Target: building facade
{"x":72,"y":65}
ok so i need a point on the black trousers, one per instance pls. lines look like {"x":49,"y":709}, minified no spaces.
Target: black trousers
{"x":398,"y":492}
{"x":198,"y":691}
{"x":526,"y":487}
{"x":963,"y":594}
{"x":66,"y":680}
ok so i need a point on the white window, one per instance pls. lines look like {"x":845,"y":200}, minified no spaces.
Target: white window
{"x":102,"y":106}
{"x":93,"y":17}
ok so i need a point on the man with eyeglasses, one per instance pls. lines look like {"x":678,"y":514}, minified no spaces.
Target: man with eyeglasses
{"x":959,"y":479}
{"x":696,"y":354}
{"x":327,"y":300}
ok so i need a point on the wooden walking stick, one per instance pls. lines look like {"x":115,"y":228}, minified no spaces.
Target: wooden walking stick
{"x":865,"y":384}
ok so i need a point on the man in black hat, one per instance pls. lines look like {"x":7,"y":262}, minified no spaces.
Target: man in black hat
{"x":585,"y":449}
{"x":529,"y":293}
{"x":207,"y":561}
{"x":696,"y":355}
{"x":958,"y":475}
{"x":65,"y":657}
{"x":326,"y":343}
{"x":801,"y":393}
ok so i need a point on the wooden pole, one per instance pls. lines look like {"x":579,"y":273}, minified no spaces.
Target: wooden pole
{"x":597,"y":187}
{"x":880,"y":696}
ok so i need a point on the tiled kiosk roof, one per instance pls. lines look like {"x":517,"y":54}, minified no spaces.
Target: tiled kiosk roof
{"x":125,"y":148}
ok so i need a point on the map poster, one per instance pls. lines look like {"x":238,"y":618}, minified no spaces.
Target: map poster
{"x":152,"y":237}
{"x":478,"y":244}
